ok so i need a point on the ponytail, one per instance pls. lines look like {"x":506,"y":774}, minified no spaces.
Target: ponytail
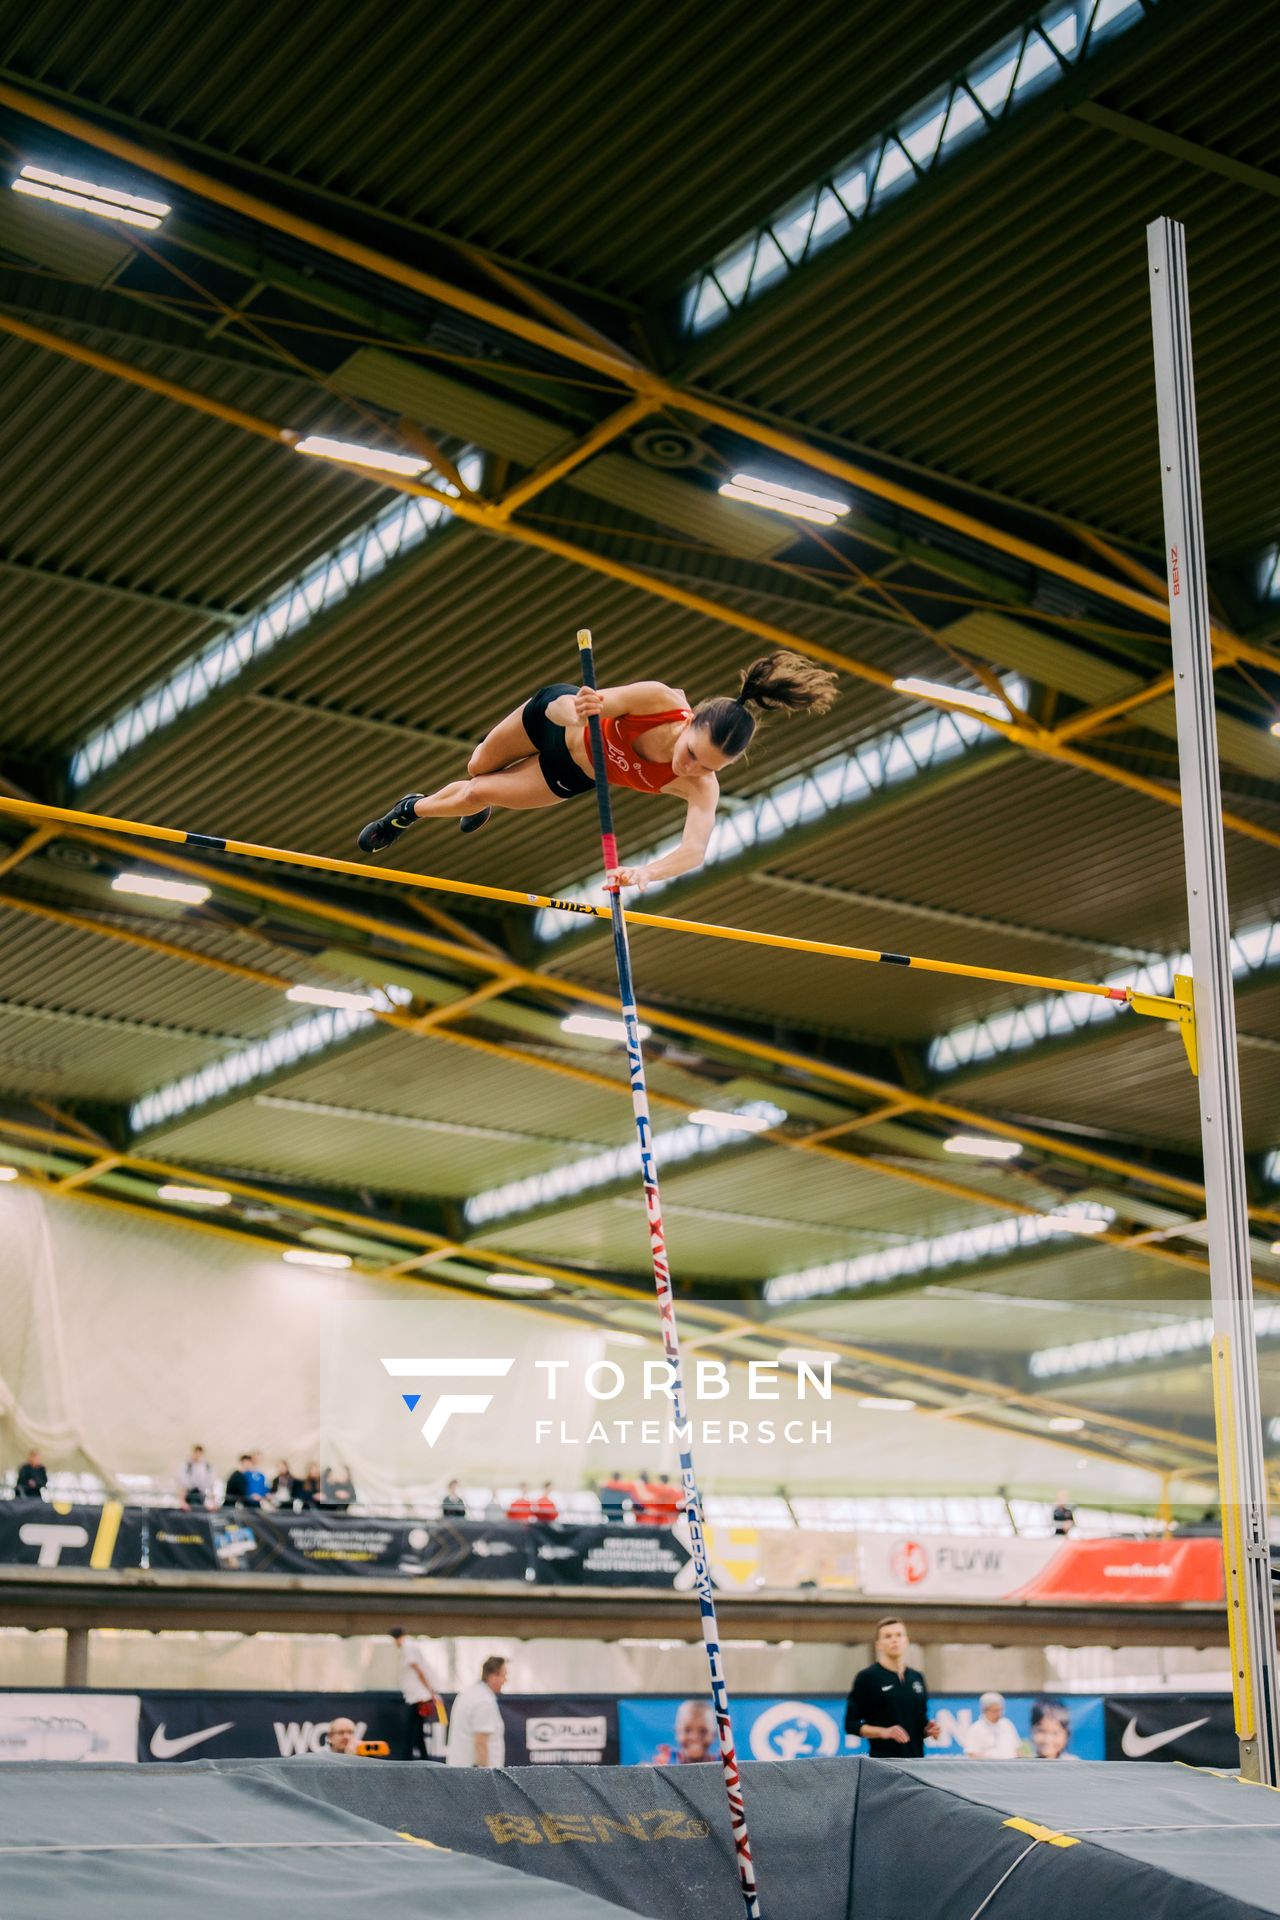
{"x":776,"y":683}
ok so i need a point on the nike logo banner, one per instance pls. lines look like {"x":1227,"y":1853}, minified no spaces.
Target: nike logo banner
{"x":1195,"y":1728}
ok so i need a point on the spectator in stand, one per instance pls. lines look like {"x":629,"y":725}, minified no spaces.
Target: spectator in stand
{"x":257,"y":1481}
{"x":337,"y":1490}
{"x":494,"y":1509}
{"x":544,"y":1507}
{"x":663,"y":1503}
{"x":453,"y":1506}
{"x":616,"y":1500}
{"x":993,"y":1735}
{"x":522,"y":1507}
{"x":282,"y":1485}
{"x":1051,"y":1730}
{"x":424,"y":1708}
{"x":477,"y":1736}
{"x":342,"y":1740}
{"x":236,"y":1493}
{"x":31,"y":1479}
{"x":196,"y":1480}
{"x":889,"y":1701}
{"x":308,"y":1491}
{"x":1064,"y":1516}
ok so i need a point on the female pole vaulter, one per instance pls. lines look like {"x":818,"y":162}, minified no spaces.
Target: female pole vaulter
{"x":654,"y":742}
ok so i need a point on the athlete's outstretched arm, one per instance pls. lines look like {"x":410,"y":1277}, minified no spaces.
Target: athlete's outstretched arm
{"x":692,"y":851}
{"x":640,"y":696}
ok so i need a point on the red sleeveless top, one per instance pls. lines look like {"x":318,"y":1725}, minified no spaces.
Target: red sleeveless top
{"x":626,"y":768}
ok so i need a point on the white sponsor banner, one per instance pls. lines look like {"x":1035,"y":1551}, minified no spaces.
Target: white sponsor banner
{"x":949,"y":1566}
{"x":68,"y":1726}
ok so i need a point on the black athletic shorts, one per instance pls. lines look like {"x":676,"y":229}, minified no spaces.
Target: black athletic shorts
{"x":559,"y":768}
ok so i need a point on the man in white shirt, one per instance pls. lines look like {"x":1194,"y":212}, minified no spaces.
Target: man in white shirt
{"x":424,"y":1709}
{"x":477,"y":1737}
{"x":993,"y":1735}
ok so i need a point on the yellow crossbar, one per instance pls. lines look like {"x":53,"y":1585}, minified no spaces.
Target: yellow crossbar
{"x":1152,"y":1004}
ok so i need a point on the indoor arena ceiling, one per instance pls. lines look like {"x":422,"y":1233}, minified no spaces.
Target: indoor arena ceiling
{"x":589,"y":263}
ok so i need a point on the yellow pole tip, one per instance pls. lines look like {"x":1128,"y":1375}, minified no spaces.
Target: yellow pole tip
{"x":584,"y":636}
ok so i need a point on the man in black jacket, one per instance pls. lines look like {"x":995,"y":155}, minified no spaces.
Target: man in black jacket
{"x":31,"y":1478}
{"x":889,"y":1701}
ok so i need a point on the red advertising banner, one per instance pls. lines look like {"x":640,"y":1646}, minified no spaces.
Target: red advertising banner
{"x":1129,"y":1571}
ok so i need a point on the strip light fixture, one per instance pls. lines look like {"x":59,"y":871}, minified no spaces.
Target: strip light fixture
{"x":88,"y":196}
{"x":759,"y":492}
{"x":993,"y":1241}
{"x":151,"y":887}
{"x":352,"y":454}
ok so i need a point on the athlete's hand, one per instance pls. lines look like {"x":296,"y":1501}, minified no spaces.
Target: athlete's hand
{"x":637,"y":877}
{"x":586,"y":701}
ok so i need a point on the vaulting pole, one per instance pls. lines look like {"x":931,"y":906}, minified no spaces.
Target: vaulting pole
{"x":1237,"y":1399}
{"x":667,"y":1315}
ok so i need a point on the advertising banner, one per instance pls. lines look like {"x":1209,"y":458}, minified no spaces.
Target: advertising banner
{"x":947,"y":1566}
{"x":1119,"y":1572}
{"x":69,"y":1726}
{"x":259,"y":1540}
{"x":668,"y":1731}
{"x":1196,"y":1728}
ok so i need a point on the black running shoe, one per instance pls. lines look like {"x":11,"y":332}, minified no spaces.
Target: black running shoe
{"x":379,"y":834}
{"x":472,"y":822}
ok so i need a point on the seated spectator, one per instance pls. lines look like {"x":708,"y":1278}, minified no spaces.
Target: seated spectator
{"x":663,"y":1503}
{"x":257,"y":1481}
{"x":992,"y":1735}
{"x":1064,"y":1517}
{"x":282,"y":1485}
{"x":342,"y":1739}
{"x":522,"y":1508}
{"x":494,"y":1509}
{"x":544,"y":1507}
{"x":31,"y":1478}
{"x":196,"y":1480}
{"x":453,"y":1506}
{"x":308,"y":1490}
{"x":616,"y":1499}
{"x":337,"y":1490}
{"x":237,"y":1489}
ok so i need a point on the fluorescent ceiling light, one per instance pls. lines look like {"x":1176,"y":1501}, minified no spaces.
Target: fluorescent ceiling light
{"x":156,"y":889}
{"x":979,"y":1148}
{"x":758,"y":492}
{"x":956,"y":696}
{"x":310,"y":1257}
{"x":742,"y":1122}
{"x":1275,"y":728}
{"x":352,"y":454}
{"x":519,"y":1282}
{"x":331,"y":997}
{"x":886,"y":1403}
{"x":624,"y":1339}
{"x":577,"y":1177}
{"x":68,"y":190}
{"x":599,"y":1028}
{"x":1064,"y":1423}
{"x":805,"y":1356}
{"x":8,"y":1173}
{"x":195,"y":1196}
{"x":1077,"y":1222}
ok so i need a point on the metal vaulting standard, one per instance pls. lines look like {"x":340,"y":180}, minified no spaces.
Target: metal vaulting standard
{"x":1236,"y":1392}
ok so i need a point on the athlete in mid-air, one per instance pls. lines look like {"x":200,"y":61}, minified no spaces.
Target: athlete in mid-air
{"x":654,"y":742}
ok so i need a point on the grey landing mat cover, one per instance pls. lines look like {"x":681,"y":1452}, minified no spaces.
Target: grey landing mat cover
{"x":1150,"y":1843}
{"x":653,"y":1839}
{"x":180,"y":1843}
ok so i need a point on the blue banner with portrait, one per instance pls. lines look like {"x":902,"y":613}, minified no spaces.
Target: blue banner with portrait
{"x":666,"y":1730}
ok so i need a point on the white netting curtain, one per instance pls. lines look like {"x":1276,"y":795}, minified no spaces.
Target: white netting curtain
{"x":38,"y":1401}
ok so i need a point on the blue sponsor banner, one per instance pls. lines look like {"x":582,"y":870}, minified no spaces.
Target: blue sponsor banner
{"x":664,"y":1730}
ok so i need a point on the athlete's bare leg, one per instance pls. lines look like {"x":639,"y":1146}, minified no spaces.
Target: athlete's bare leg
{"x":502,"y":746}
{"x":519,"y":787}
